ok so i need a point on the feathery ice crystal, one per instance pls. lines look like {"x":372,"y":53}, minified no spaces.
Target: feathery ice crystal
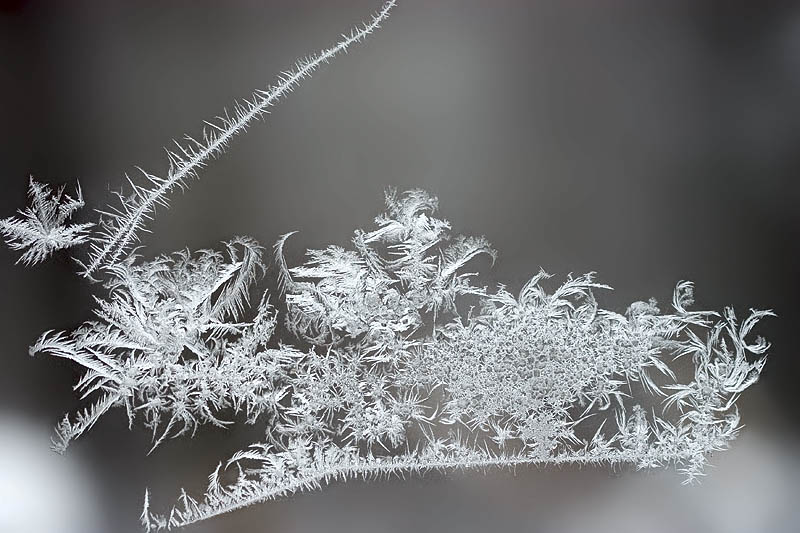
{"x":168,"y":342}
{"x":386,"y":375}
{"x":42,"y":228}
{"x":383,"y":357}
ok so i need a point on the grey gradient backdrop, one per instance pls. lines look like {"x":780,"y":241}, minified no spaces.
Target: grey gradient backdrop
{"x":648,"y":141}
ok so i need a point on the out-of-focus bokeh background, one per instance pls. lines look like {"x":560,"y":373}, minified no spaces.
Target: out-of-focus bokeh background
{"x":648,"y":141}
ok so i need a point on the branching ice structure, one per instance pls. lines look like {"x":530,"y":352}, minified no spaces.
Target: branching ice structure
{"x":43,"y":229}
{"x":384,"y":357}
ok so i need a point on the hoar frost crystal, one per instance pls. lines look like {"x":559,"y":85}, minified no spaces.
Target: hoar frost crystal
{"x":379,"y":358}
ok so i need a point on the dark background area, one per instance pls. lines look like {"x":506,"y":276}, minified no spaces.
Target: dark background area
{"x":647,"y":141}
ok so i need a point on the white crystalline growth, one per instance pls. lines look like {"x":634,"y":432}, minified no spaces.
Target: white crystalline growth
{"x":42,"y":227}
{"x":386,"y":358}
{"x":379,"y":358}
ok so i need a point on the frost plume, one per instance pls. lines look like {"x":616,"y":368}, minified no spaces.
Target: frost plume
{"x":42,"y":228}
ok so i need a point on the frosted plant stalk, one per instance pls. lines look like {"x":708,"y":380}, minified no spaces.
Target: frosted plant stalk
{"x":118,"y":231}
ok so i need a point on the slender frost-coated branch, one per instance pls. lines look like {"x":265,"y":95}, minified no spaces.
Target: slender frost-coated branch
{"x":118,"y":232}
{"x":374,"y":468}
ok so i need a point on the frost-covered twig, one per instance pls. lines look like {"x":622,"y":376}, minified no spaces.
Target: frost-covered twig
{"x":117,"y":231}
{"x":245,"y":493}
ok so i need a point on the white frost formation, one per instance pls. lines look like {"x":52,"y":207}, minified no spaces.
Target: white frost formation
{"x":43,"y":229}
{"x":381,"y":358}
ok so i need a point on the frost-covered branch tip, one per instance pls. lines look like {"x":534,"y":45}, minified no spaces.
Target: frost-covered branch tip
{"x":119,"y":224}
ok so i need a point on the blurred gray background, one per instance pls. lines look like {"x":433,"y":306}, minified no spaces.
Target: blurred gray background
{"x":648,"y":141}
